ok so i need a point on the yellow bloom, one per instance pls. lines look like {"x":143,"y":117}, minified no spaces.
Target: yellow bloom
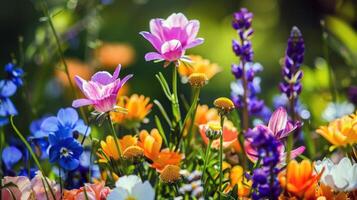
{"x":128,"y":144}
{"x":340,"y":132}
{"x":199,"y":65}
{"x":236,"y":177}
{"x":137,"y":109}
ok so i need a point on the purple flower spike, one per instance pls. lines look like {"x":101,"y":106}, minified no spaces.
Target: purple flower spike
{"x":101,"y":91}
{"x":171,"y":37}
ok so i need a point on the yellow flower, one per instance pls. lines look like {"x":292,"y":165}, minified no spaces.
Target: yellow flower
{"x":236,"y":177}
{"x":199,"y":65}
{"x":340,"y":132}
{"x":137,"y":109}
{"x":128,"y":144}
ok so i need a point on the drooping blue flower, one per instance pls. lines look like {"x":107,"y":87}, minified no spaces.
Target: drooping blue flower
{"x":14,"y":74}
{"x":65,"y":124}
{"x":65,"y":151}
{"x":7,"y":108}
{"x":10,"y":156}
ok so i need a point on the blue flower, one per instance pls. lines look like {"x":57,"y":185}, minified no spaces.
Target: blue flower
{"x":64,"y":125}
{"x":14,"y":74}
{"x":10,"y":156}
{"x":65,"y":151}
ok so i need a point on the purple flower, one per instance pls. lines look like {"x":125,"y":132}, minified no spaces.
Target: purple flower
{"x":242,"y":20}
{"x":279,"y":127}
{"x":101,"y":91}
{"x":294,"y":56}
{"x":171,"y":37}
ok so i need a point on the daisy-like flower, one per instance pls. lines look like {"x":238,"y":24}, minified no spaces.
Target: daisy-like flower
{"x":300,"y":180}
{"x":171,"y":37}
{"x":101,"y":91}
{"x":198,"y":65}
{"x":341,"y":176}
{"x":340,"y":132}
{"x":137,"y":107}
{"x":131,"y":187}
{"x":129,"y":146}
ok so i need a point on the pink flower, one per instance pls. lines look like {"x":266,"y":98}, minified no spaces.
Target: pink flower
{"x":101,"y":91}
{"x":21,"y":191}
{"x":39,"y":189}
{"x":96,"y":191}
{"x":171,"y":37}
{"x":280,"y":127}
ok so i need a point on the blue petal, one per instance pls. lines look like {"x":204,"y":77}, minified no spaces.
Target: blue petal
{"x":11,"y":155}
{"x":4,"y":121}
{"x":54,"y":153}
{"x":7,"y":108}
{"x":50,"y":124}
{"x":67,"y":117}
{"x":52,"y":139}
{"x":75,"y":147}
{"x":69,"y":163}
{"x":7,"y":88}
{"x":82,"y":128}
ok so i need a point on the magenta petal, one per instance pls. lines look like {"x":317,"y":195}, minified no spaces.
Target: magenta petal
{"x":156,"y":28}
{"x":192,"y":29}
{"x":194,"y":43}
{"x":79,"y":81}
{"x":81,"y":102}
{"x":116,"y":72}
{"x":156,"y":42}
{"x":153,"y":56}
{"x":124,"y":80}
{"x":296,"y":152}
{"x":278,"y":121}
{"x":176,"y":20}
{"x":102,"y":77}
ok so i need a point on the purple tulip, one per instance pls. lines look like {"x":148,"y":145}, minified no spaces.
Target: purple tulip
{"x":101,"y":91}
{"x":171,"y":37}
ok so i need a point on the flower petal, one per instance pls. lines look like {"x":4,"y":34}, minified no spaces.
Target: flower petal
{"x":153,"y":56}
{"x":67,"y":116}
{"x":194,"y":43}
{"x":156,"y":42}
{"x":50,"y":124}
{"x":278,"y":120}
{"x":81,"y":102}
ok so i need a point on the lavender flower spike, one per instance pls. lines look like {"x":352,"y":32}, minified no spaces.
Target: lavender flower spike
{"x":294,"y":56}
{"x":171,"y":37}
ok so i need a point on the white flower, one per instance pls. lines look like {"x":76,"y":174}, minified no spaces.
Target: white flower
{"x":341,"y":176}
{"x":131,"y":187}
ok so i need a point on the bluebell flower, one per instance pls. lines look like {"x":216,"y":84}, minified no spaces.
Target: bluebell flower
{"x":65,"y":124}
{"x":7,"y":108}
{"x":65,"y":151}
{"x":14,"y":74}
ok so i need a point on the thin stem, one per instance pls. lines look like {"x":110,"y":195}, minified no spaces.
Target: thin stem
{"x":245,"y":116}
{"x":208,"y":149}
{"x":175,"y":102}
{"x":220,"y":159}
{"x":115,"y":137}
{"x":33,"y":155}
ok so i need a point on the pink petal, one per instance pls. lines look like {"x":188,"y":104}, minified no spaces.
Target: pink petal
{"x":156,"y":28}
{"x":156,"y":42}
{"x":192,"y":29}
{"x":194,"y":43}
{"x":116,"y":73}
{"x":153,"y":56}
{"x":81,"y":102}
{"x":176,"y":20}
{"x":79,"y":81}
{"x":296,"y":152}
{"x":278,"y":120}
{"x":172,"y":50}
{"x":102,"y":77}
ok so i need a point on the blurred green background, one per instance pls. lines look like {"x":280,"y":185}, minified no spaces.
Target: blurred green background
{"x":83,"y":25}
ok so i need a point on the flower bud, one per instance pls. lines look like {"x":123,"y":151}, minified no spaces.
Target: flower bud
{"x":214,"y":130}
{"x":224,"y":105}
{"x":198,"y":80}
{"x":133,"y":152}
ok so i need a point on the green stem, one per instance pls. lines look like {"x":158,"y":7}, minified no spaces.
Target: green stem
{"x":191,"y":111}
{"x":220,"y":159}
{"x":115,"y":137}
{"x":208,"y":149}
{"x":175,"y":102}
{"x":33,"y":155}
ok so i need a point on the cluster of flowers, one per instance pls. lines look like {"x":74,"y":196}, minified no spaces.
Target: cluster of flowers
{"x":168,"y":162}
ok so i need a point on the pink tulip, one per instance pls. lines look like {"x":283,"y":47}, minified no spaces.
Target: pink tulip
{"x":101,"y":91}
{"x":171,"y":37}
{"x":280,"y":127}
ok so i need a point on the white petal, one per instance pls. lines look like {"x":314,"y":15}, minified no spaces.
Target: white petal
{"x":128,"y":182}
{"x":143,"y":191}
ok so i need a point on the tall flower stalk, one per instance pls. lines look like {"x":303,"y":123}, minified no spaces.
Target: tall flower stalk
{"x":292,"y":74}
{"x":242,"y":47}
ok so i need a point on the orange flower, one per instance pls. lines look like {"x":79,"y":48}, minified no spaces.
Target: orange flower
{"x":324,"y":192}
{"x":199,"y":65}
{"x":300,"y":179}
{"x":341,"y":132}
{"x":236,"y":177}
{"x":111,"y":54}
{"x":137,"y":109}
{"x":204,"y":114}
{"x":128,"y":144}
{"x":75,"y":67}
{"x":151,"y":143}
{"x":230,"y":134}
